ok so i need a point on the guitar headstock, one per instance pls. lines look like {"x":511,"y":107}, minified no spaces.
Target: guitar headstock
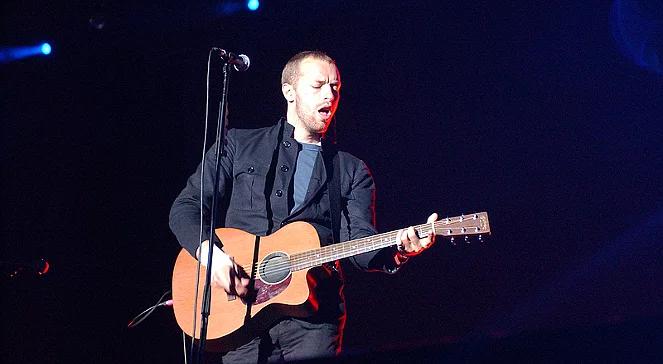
{"x":464,"y":225}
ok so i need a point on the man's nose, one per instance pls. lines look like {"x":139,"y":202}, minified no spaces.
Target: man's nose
{"x":328,"y":92}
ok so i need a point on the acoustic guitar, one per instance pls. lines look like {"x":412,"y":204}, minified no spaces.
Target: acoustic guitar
{"x":278,"y":265}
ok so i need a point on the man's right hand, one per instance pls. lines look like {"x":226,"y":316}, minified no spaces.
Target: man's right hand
{"x":225,"y":272}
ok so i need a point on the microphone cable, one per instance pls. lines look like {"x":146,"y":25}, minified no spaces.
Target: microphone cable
{"x":143,"y":315}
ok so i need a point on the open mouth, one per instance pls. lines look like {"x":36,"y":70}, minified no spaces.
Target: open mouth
{"x":325,"y":112}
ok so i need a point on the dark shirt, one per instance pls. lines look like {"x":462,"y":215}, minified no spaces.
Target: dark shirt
{"x":306,"y":159}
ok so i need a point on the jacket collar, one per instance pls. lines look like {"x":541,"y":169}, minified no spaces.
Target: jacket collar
{"x":289,"y":132}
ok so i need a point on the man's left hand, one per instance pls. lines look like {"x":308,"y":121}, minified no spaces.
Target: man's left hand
{"x":411,"y":244}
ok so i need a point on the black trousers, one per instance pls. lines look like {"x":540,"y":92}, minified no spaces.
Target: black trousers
{"x":289,"y":340}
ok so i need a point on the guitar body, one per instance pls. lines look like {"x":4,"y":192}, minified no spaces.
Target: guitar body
{"x":278,"y":290}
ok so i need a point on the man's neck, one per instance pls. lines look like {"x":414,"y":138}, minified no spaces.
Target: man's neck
{"x":304,"y":136}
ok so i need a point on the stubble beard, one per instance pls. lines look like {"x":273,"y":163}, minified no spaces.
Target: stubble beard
{"x":311,"y":123}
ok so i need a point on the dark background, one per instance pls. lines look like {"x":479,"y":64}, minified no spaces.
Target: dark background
{"x":535,"y":113}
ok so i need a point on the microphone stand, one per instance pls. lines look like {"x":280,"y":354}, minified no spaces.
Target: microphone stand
{"x":220,"y":143}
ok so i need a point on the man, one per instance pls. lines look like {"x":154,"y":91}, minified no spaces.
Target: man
{"x":277,"y":175}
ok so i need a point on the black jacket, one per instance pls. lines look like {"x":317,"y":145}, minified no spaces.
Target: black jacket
{"x":255,"y":195}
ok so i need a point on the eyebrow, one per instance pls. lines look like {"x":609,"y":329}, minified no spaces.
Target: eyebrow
{"x":322,"y":82}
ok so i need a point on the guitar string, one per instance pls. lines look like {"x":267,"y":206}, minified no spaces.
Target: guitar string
{"x":324,"y":254}
{"x":301,"y":261}
{"x":299,"y":258}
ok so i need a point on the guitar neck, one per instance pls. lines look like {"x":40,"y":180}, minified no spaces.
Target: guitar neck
{"x":464,"y":225}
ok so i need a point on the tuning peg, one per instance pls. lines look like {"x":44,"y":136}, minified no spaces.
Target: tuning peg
{"x":453,"y":241}
{"x":467,"y":239}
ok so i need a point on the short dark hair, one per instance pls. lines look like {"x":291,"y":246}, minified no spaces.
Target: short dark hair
{"x":291,"y":70}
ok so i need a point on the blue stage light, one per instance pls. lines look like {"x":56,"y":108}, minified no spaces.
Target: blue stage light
{"x":10,"y":54}
{"x":253,"y":5}
{"x":229,"y":7}
{"x":637,"y":29}
{"x":46,"y":48}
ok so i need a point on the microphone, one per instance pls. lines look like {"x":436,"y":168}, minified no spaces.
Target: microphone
{"x":240,"y":62}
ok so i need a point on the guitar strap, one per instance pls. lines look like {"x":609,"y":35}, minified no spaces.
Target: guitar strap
{"x":333,"y":169}
{"x":271,"y":173}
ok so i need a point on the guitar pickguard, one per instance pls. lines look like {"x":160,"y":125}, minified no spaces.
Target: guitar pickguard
{"x":266,"y":291}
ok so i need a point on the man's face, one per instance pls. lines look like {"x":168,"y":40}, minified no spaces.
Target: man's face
{"x":316,"y":94}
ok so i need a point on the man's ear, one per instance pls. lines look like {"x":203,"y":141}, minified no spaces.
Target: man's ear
{"x":288,"y":92}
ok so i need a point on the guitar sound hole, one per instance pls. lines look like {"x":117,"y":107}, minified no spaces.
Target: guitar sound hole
{"x":274,"y":268}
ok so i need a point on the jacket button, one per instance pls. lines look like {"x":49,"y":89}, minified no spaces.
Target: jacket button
{"x":251,"y":169}
{"x":279,"y":193}
{"x":287,"y":144}
{"x":284,"y":168}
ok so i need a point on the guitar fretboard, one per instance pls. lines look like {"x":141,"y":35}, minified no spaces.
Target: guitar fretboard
{"x":456,"y":226}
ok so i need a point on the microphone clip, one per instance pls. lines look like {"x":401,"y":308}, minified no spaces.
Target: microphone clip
{"x":240,"y":62}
